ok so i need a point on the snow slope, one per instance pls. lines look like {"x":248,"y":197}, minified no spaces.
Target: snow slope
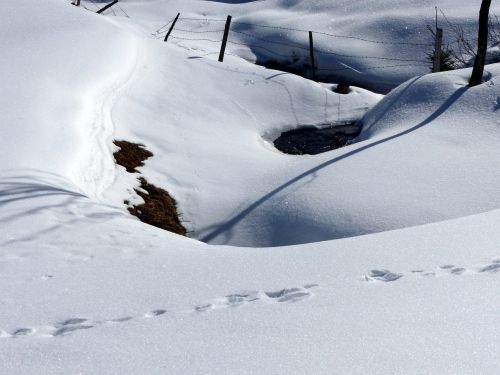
{"x":86,"y":288}
{"x":282,"y":199}
{"x":101,"y":284}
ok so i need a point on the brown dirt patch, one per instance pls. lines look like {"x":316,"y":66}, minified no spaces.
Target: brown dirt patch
{"x":131,"y":155}
{"x":159,"y":209}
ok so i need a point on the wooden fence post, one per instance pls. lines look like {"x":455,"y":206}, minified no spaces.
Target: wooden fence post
{"x":438,"y":50}
{"x":224,"y":39}
{"x":311,"y":54}
{"x":172,"y":27}
{"x":107,"y":7}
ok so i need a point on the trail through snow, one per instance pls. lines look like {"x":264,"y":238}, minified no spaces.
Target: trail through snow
{"x":70,"y":325}
{"x":97,"y":171}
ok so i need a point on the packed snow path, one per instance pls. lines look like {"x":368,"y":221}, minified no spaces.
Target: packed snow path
{"x":98,"y":168}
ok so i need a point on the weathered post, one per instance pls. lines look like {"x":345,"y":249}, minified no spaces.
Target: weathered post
{"x":438,"y":50}
{"x":311,"y":55}
{"x":224,"y":39}
{"x":107,"y":7}
{"x":171,"y":27}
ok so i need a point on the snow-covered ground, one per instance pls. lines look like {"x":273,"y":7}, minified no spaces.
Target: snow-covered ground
{"x":87,"y":288}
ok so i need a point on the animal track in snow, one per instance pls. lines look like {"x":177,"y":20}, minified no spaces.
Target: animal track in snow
{"x":71,"y":328}
{"x":23,"y":332}
{"x":73,"y":321}
{"x":154,"y":313}
{"x":120,"y":320}
{"x":443,"y":270}
{"x":457,"y":270}
{"x":72,"y":325}
{"x":238,"y":299}
{"x":289,"y":295}
{"x":494,"y":267}
{"x":382,"y":275}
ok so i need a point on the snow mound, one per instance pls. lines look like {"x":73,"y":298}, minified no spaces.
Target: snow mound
{"x":440,"y":99}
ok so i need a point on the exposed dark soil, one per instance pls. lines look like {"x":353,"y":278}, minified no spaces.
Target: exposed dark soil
{"x":159,"y":208}
{"x":312,"y":140}
{"x":343,"y":89}
{"x":131,"y":155}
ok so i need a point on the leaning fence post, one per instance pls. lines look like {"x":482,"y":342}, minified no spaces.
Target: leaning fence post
{"x":172,"y":27}
{"x":437,"y":50}
{"x":311,"y":54}
{"x":107,"y":7}
{"x":224,"y":39}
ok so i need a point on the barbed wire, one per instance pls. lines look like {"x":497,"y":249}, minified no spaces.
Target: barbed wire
{"x":331,"y":35}
{"x":94,"y":4}
{"x":164,"y":27}
{"x":160,"y":32}
{"x":260,"y":47}
{"x":287,"y":44}
{"x":366,"y":57}
{"x":329,"y":53}
{"x":195,"y":39}
{"x":200,"y":32}
{"x":375,"y":41}
{"x":125,"y":13}
{"x":200,"y":19}
{"x":370,"y":68}
{"x":294,"y":45}
{"x":303,"y":30}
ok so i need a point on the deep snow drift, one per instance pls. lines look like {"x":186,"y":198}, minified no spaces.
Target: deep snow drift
{"x":87,"y":288}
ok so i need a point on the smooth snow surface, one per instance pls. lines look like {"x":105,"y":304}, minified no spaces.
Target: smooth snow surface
{"x":87,"y":288}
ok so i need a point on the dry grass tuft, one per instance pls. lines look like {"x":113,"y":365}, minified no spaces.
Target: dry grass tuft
{"x":131,"y":155}
{"x":159,"y":209}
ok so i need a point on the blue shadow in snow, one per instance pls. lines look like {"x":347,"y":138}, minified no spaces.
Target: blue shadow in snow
{"x":223,"y":227}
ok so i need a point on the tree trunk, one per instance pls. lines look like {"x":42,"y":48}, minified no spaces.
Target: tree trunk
{"x":482,"y":44}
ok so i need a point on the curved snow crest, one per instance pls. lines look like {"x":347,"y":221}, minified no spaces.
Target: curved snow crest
{"x":422,"y":100}
{"x":62,"y":74}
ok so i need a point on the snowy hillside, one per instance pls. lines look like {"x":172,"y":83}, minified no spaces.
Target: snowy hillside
{"x":380,"y":257}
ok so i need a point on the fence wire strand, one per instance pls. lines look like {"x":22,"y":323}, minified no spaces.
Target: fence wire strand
{"x":185,"y":29}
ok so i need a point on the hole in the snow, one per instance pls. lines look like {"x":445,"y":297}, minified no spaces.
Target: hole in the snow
{"x":312,"y":140}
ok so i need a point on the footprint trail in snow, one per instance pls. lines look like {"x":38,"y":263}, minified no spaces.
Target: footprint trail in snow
{"x":384,"y":275}
{"x":72,"y":325}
